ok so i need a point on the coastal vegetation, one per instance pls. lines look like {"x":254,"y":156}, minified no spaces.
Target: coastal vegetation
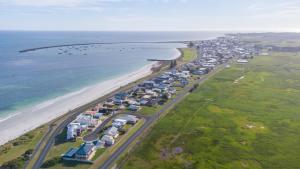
{"x":252,"y":122}
{"x":17,"y":152}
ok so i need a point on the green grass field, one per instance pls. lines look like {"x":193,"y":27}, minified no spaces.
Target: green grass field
{"x":189,"y":54}
{"x":254,"y":123}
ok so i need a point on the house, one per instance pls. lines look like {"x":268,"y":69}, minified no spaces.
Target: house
{"x":70,"y":154}
{"x":121,"y":120}
{"x":130,"y":119}
{"x":86,"y":151}
{"x":98,"y":115}
{"x":106,"y":110}
{"x":134,"y":107}
{"x":98,"y":144}
{"x":91,"y":113}
{"x":144,"y":102}
{"x":87,"y":120}
{"x":96,"y":108}
{"x":132,"y":102}
{"x":184,"y":82}
{"x":108,"y":140}
{"x":121,"y":96}
{"x":242,"y":61}
{"x":118,"y":101}
{"x":119,"y":123}
{"x":151,"y":102}
{"x":112,"y":131}
{"x":148,"y":84}
{"x":198,"y":72}
{"x":73,"y":130}
{"x":163,"y":87}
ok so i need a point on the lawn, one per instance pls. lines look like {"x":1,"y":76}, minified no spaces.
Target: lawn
{"x":253,"y":124}
{"x":189,"y":54}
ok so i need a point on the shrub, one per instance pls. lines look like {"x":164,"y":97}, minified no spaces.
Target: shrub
{"x":13,"y":164}
{"x":52,"y":162}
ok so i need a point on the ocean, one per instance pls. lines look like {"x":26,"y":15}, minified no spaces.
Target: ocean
{"x":30,"y":78}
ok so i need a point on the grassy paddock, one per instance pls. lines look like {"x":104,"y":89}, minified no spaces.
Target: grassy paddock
{"x":189,"y":54}
{"x":251,"y":124}
{"x":15,"y":148}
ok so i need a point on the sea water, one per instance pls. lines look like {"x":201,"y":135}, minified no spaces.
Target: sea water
{"x":30,"y":78}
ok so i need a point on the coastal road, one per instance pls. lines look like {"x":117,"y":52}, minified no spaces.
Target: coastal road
{"x":43,"y":147}
{"x":108,"y":163}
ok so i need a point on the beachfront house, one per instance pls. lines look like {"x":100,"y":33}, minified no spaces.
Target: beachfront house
{"x":73,"y":130}
{"x":87,"y":120}
{"x":148,"y":84}
{"x":121,"y":96}
{"x":118,"y":101}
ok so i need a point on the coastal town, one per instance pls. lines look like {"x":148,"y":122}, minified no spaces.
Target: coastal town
{"x":122,"y":110}
{"x":149,"y":84}
{"x":109,"y":123}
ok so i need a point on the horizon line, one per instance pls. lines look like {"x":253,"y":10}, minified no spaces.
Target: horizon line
{"x":228,"y":31}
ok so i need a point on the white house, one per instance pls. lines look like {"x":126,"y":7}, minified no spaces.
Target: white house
{"x":112,"y":131}
{"x":73,"y":130}
{"x":129,"y":118}
{"x":86,"y":120}
{"x":108,"y":140}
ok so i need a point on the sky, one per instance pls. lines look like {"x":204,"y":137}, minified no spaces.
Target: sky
{"x":151,"y":15}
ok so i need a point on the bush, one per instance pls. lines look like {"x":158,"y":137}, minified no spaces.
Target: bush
{"x":28,"y":152}
{"x":19,"y":162}
{"x":52,"y":162}
{"x":5,"y":148}
{"x":13,"y":164}
{"x":122,"y":131}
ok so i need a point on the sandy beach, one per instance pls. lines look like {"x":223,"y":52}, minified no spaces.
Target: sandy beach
{"x":31,"y":118}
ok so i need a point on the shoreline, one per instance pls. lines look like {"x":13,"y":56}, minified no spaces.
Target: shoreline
{"x":24,"y":121}
{"x":21,"y":122}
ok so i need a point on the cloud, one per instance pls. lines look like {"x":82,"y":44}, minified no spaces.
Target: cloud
{"x":43,"y":3}
{"x":277,"y":9}
{"x":74,"y":3}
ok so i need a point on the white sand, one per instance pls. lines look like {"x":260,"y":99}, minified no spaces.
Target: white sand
{"x":31,"y":118}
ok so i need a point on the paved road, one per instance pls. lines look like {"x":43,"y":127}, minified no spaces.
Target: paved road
{"x":108,"y":163}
